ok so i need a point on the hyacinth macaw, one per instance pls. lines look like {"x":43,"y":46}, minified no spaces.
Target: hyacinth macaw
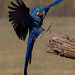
{"x":23,"y":21}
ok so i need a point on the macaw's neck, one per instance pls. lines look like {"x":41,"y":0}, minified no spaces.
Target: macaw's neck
{"x":37,"y":20}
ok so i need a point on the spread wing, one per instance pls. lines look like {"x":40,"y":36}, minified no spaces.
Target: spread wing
{"x":19,"y":17}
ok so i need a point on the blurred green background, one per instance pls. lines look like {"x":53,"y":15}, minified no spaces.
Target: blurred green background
{"x":12,"y":50}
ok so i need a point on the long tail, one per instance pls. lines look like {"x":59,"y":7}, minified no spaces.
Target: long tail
{"x":28,"y":55}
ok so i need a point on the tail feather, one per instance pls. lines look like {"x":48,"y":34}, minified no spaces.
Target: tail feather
{"x":28,"y":55}
{"x":25,"y":71}
{"x":30,"y":58}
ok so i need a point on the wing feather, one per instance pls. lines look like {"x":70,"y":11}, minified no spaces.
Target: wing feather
{"x":13,"y":4}
{"x":18,"y":2}
{"x":22,"y":2}
{"x":17,"y":15}
{"x":12,"y":8}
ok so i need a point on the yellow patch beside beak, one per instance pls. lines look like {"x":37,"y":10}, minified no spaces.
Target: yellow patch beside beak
{"x":37,"y":13}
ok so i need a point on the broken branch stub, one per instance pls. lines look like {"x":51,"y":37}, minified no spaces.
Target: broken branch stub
{"x":61,"y":45}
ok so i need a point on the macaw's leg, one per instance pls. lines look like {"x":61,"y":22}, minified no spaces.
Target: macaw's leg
{"x":28,"y":54}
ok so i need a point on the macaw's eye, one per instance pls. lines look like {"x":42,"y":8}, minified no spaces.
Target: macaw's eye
{"x":37,"y":9}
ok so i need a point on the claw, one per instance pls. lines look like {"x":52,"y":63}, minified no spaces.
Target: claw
{"x":47,"y":29}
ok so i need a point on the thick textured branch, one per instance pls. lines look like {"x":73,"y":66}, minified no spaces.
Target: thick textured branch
{"x":61,"y":45}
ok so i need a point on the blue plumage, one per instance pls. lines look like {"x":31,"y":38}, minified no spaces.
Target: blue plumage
{"x":23,"y":21}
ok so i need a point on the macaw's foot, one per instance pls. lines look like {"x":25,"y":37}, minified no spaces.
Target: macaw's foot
{"x":48,"y":29}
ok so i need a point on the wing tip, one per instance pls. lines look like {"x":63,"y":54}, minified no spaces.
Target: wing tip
{"x":14,"y":13}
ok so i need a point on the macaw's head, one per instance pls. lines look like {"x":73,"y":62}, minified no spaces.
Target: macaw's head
{"x":38,"y":11}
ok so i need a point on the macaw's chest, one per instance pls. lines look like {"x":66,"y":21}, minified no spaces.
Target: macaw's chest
{"x":37,"y":20}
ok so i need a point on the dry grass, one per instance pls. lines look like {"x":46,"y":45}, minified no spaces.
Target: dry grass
{"x":12,"y":51}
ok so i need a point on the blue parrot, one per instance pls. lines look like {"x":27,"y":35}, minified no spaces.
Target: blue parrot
{"x":24,"y":21}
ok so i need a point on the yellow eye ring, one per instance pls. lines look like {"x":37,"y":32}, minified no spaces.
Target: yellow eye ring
{"x":37,"y":9}
{"x":37,"y":13}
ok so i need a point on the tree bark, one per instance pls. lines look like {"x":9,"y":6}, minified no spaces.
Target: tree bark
{"x":61,"y":45}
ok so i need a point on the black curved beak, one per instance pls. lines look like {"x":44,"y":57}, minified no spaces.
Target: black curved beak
{"x":42,"y":14}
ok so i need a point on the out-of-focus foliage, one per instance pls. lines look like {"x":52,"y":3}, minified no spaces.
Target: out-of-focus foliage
{"x":65,"y":8}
